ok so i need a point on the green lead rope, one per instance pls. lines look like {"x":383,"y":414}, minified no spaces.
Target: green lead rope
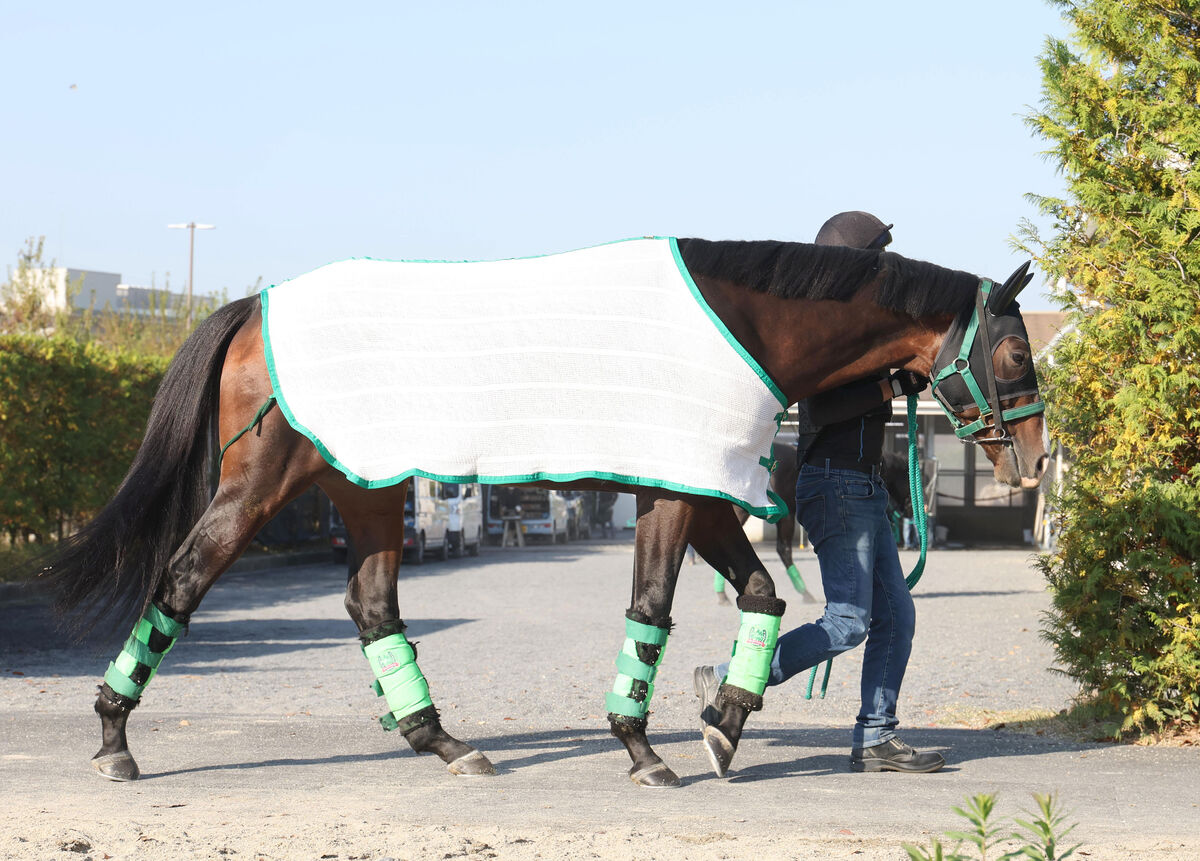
{"x":916,"y":491}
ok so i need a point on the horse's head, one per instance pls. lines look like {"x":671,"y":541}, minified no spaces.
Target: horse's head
{"x":984,"y":379}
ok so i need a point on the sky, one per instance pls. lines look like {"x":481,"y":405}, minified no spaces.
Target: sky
{"x":314,"y":132}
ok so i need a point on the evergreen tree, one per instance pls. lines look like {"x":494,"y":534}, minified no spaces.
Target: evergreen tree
{"x":1121,"y":111}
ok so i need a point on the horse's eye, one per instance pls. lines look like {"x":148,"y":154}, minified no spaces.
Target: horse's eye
{"x":1012,"y":359}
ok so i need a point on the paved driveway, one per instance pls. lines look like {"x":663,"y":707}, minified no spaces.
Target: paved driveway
{"x":258,"y":737}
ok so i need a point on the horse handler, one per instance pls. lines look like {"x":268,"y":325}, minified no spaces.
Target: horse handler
{"x":842,"y":502}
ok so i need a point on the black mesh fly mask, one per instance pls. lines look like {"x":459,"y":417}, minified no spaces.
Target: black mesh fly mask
{"x":963,"y":371}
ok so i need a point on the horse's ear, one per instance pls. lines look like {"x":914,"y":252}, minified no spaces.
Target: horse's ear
{"x":1002,"y":297}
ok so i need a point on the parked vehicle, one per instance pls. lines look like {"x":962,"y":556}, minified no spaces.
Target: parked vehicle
{"x":426,"y":520}
{"x":337,"y":535}
{"x":543,"y":512}
{"x":465,"y":502}
{"x":436,"y":516}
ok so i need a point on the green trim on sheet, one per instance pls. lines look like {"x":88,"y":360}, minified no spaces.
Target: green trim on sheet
{"x":723,"y":329}
{"x":772,"y":513}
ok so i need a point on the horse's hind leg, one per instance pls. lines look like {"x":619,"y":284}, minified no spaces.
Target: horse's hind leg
{"x":257,"y":480}
{"x":375,"y":522}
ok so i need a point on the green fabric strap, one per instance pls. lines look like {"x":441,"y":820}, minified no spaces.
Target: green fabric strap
{"x":398,"y":679}
{"x":964,"y":357}
{"x":137,"y":653}
{"x":646,"y":633}
{"x":631,"y":668}
{"x":634,"y":668}
{"x":1037,"y":406}
{"x":258,"y":417}
{"x":752,"y":652}
{"x":162,"y":623}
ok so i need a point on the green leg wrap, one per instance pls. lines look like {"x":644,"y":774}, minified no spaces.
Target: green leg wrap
{"x":152,"y":637}
{"x":794,"y":573}
{"x":634,"y":687}
{"x":718,"y":582}
{"x":398,"y":679}
{"x":755,"y":645}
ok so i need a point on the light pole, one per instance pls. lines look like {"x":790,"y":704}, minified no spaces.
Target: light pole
{"x":192,"y":227}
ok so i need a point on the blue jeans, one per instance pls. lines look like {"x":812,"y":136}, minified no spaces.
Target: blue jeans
{"x":866,"y":598}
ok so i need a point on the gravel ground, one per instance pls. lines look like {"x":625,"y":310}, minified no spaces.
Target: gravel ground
{"x":257,"y":738}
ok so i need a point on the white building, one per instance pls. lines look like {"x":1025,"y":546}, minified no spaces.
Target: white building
{"x":100,"y":290}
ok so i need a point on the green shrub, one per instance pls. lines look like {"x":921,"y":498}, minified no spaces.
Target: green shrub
{"x":71,"y":419}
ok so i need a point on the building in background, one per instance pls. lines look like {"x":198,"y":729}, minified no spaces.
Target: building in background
{"x":80,"y":289}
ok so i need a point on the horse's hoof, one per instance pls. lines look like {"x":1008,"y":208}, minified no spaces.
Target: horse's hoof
{"x":809,"y":598}
{"x":117,"y":766}
{"x":723,"y":599}
{"x":720,"y":750}
{"x":473,"y":764}
{"x":655,"y":776}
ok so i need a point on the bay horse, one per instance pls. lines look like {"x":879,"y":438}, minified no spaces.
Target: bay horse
{"x":810,"y":317}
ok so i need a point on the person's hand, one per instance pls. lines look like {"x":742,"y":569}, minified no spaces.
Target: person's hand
{"x":907,"y":383}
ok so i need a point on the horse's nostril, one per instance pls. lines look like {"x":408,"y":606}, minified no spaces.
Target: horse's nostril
{"x":1043,"y":462}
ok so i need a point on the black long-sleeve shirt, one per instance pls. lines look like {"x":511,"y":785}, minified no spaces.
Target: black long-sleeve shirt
{"x":845,"y":425}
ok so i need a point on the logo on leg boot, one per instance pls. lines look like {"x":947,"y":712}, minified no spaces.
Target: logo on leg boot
{"x":387,"y":661}
{"x":757,"y":637}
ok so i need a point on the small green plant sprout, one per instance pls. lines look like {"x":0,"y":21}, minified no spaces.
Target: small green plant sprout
{"x":1036,"y":838}
{"x":1041,"y":832}
{"x":982,"y":834}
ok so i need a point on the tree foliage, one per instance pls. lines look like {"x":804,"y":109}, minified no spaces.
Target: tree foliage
{"x":71,"y":418}
{"x":1121,"y":112}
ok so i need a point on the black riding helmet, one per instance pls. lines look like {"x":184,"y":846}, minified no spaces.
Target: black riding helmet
{"x":856,"y":229}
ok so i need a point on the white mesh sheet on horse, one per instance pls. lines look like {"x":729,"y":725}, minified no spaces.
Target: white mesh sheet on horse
{"x":599,"y":363}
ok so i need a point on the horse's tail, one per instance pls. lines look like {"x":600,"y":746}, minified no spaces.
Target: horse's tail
{"x":115,"y":563}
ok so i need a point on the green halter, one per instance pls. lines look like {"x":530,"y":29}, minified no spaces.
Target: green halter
{"x":989,"y":405}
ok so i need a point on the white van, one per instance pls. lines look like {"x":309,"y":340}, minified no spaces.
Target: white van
{"x":426,"y":521}
{"x":465,"y":503}
{"x":543,"y":512}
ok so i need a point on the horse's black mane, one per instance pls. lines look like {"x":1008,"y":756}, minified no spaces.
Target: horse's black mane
{"x":795,"y":270}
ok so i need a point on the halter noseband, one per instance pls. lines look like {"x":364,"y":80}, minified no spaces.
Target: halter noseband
{"x":989,"y":404}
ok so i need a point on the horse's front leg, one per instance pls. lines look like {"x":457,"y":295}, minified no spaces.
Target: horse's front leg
{"x":717,"y":535}
{"x":663,"y":523}
{"x":375,"y":522}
